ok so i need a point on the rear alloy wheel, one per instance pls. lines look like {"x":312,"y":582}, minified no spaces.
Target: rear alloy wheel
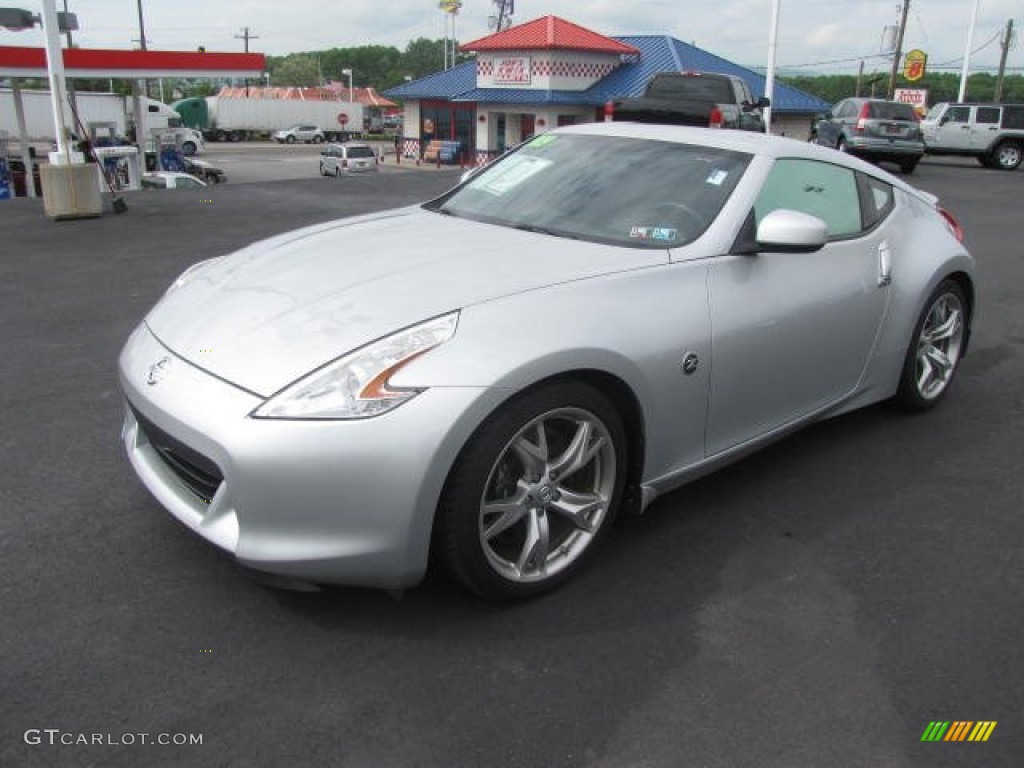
{"x":533,"y":492}
{"x":936,"y":349}
{"x":290,"y":140}
{"x":188,"y":148}
{"x":318,"y":139}
{"x":1008,"y":155}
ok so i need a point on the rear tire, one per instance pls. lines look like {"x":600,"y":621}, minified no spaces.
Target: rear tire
{"x":533,"y":493}
{"x":908,"y":165}
{"x":842,"y":147}
{"x":936,"y":348}
{"x":188,"y":148}
{"x":290,"y":140}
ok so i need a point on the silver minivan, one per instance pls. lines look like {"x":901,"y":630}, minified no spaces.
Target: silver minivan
{"x":351,"y":157}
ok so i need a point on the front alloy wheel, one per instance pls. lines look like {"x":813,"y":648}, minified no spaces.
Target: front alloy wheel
{"x":534,"y":490}
{"x":935,"y":354}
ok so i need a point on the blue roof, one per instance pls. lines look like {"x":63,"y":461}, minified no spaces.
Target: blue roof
{"x":658,"y":53}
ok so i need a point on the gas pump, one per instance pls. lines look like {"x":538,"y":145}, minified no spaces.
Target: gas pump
{"x":169,"y":154}
{"x":6,"y":183}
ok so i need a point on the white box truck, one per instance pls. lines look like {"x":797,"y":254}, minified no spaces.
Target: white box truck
{"x":99,"y":113}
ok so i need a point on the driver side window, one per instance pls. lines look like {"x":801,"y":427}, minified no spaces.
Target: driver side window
{"x":826,"y":191}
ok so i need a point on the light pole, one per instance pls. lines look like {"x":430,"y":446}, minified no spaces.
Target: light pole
{"x":965,"y":72}
{"x":349,"y":73}
{"x":769,"y":79}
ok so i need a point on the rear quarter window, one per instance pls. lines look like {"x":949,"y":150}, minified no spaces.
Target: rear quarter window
{"x":1013,"y":117}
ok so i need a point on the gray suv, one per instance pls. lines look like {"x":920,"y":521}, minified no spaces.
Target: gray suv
{"x":993,"y":133}
{"x":874,"y":129}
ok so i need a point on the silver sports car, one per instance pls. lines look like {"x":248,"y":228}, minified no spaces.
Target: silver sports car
{"x":490,"y":378}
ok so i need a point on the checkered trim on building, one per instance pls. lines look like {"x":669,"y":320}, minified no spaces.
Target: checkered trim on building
{"x":542,"y":68}
{"x":586,"y":70}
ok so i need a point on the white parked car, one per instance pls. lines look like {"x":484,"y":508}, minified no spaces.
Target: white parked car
{"x":337,"y":159}
{"x":170,"y":180}
{"x":304,"y":133}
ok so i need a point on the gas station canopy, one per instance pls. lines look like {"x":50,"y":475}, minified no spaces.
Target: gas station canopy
{"x":97,"y":62}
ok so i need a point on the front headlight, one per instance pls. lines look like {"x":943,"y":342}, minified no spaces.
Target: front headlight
{"x":356,"y":386}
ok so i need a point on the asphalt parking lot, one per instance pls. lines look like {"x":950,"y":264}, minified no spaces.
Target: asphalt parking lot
{"x":817,"y":604}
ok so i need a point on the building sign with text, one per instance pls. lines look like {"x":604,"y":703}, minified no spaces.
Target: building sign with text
{"x":917,"y":97}
{"x":512,"y":70}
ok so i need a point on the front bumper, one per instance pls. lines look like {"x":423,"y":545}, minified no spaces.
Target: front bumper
{"x":342,"y":502}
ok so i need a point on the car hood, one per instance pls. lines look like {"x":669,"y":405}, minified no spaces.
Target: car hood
{"x":268,"y":314}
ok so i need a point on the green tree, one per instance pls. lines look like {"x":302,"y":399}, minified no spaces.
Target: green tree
{"x":298,"y":69}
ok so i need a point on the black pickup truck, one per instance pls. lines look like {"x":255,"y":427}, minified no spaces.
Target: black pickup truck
{"x":702,"y":99}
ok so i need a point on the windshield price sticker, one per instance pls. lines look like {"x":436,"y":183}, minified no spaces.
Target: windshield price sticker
{"x":512,"y":173}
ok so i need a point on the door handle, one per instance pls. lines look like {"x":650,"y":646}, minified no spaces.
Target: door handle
{"x":884,"y":264}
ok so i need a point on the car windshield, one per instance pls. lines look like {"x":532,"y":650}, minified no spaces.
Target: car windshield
{"x":631,"y":192}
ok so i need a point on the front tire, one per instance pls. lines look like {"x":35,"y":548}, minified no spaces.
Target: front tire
{"x":188,"y":148}
{"x":1008,"y":155}
{"x":533,"y":493}
{"x":290,"y":140}
{"x":936,"y":349}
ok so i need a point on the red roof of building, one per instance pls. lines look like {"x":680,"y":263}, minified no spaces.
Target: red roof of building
{"x":549,"y":33}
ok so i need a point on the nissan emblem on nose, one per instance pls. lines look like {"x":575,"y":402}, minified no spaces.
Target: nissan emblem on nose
{"x":158,"y":370}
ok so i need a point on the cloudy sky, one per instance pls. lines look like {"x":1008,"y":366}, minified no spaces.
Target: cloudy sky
{"x":817,"y":35}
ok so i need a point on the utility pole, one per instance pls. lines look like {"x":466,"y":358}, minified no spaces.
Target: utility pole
{"x":142,"y":28}
{"x":1005,"y":44}
{"x":899,"y":49}
{"x":247,"y":37}
{"x":860,"y":79}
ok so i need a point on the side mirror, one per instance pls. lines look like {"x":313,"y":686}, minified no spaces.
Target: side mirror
{"x":763,"y":102}
{"x":789,"y":231}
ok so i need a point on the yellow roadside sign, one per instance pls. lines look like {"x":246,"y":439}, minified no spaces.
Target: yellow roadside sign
{"x":914,"y":65}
